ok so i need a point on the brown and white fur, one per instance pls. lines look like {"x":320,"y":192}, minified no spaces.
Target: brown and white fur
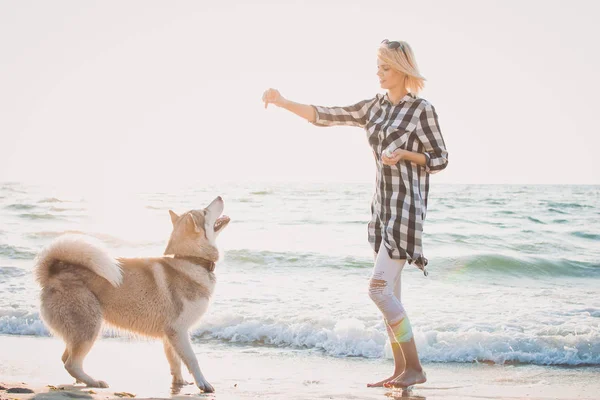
{"x":161,"y":297}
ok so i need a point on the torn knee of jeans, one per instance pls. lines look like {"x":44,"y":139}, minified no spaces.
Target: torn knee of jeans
{"x":377,"y":285}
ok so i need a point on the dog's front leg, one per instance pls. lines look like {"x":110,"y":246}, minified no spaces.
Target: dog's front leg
{"x":175,"y":364}
{"x":180,"y":341}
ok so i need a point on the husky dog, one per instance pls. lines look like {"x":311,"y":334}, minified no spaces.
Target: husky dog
{"x":161,"y":297}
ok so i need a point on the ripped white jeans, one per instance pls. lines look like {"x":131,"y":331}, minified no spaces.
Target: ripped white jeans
{"x":385,"y":290}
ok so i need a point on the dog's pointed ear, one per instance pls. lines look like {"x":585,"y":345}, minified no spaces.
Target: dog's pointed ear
{"x":174,"y":217}
{"x":192,"y":223}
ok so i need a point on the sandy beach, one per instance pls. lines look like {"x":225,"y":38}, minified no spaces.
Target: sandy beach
{"x":134,"y":367}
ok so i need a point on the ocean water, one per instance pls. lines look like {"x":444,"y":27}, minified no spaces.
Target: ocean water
{"x":514,"y":272}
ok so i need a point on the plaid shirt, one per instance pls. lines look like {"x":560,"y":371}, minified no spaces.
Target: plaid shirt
{"x":399,"y":204}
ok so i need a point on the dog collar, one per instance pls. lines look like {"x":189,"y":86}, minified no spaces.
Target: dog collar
{"x":209,"y":265}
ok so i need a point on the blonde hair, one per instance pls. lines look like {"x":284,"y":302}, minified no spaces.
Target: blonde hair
{"x":402,"y":59}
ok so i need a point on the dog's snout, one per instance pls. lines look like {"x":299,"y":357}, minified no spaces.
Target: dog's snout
{"x":216,"y":206}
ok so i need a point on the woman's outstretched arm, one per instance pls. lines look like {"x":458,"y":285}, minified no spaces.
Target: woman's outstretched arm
{"x":272,"y":96}
{"x":353,"y":115}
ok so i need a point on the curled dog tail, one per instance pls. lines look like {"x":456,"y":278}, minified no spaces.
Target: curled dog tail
{"x":79,"y":250}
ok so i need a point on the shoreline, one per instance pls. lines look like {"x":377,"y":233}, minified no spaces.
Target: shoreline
{"x":139,"y":368}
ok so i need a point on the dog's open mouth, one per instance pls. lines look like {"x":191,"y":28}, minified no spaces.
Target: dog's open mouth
{"x":221,"y":222}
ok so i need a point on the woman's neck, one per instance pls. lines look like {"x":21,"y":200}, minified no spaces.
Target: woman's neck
{"x":396,"y":94}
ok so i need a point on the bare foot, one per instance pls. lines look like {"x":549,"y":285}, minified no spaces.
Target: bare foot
{"x":383,"y":382}
{"x":180,"y":382}
{"x":408,"y":378}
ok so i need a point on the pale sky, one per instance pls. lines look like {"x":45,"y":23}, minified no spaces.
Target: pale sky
{"x":153,"y":92}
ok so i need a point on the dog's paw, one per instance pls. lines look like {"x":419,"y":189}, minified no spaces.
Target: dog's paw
{"x":206,"y":387}
{"x":98,"y":384}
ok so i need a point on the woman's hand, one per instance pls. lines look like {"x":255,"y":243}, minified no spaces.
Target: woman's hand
{"x":272,"y":96}
{"x":397,"y":155}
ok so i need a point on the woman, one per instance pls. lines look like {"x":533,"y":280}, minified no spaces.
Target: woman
{"x":404,"y":134}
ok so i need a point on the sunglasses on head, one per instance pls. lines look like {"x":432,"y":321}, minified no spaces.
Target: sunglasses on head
{"x":393,"y":45}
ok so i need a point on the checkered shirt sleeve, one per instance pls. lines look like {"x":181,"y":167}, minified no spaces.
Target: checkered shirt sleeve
{"x":428,"y":132}
{"x":354,"y":115}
